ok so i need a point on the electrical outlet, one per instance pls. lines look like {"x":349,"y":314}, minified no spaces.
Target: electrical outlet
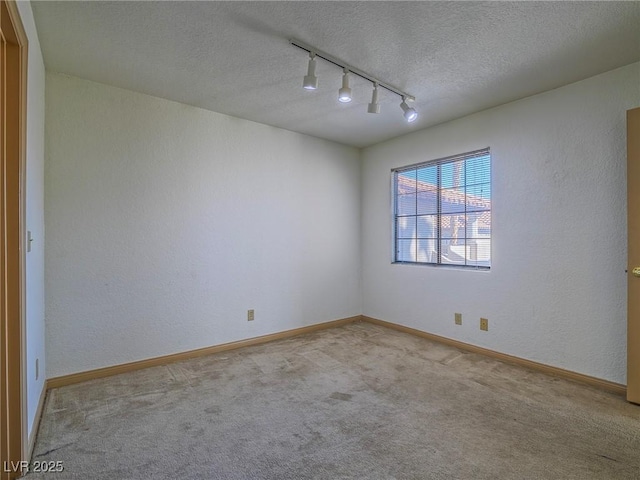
{"x":484,"y":324}
{"x":458,"y":318}
{"x":37,"y":368}
{"x":250,"y":315}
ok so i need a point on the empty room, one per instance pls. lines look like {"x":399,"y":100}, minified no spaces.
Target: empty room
{"x":320,"y":240}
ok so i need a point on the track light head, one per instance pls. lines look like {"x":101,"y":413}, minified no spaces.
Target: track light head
{"x":410,"y":114}
{"x":310,"y":81}
{"x":374,"y":106}
{"x":344,"y":94}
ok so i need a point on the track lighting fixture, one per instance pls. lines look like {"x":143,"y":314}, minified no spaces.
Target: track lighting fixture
{"x":374,"y":106}
{"x":409,"y":113}
{"x":310,"y":81}
{"x":344,"y":94}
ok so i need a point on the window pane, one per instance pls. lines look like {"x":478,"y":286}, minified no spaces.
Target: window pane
{"x":427,"y":177}
{"x":406,"y":182}
{"x":427,"y":202}
{"x":452,"y":254}
{"x":478,"y":225}
{"x":452,"y":200}
{"x":478,"y":197}
{"x":427,"y":250}
{"x":406,"y":227}
{"x":452,"y":174}
{"x":406,"y":204}
{"x":427,"y":226}
{"x":484,"y":225}
{"x":453,"y":227}
{"x":405,"y":250}
{"x":479,"y":252}
{"x":478,"y":170}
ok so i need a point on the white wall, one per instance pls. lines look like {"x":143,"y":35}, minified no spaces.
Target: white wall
{"x":556,"y":292}
{"x":165,"y":223}
{"x":35,"y":327}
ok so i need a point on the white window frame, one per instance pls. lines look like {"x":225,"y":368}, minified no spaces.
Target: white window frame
{"x":436,"y":250}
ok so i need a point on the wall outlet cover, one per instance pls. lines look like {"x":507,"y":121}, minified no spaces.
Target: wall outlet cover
{"x":484,"y":324}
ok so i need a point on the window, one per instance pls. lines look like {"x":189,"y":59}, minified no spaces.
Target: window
{"x":442,"y":211}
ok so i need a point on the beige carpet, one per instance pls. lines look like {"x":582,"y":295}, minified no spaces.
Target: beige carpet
{"x":355,"y":402}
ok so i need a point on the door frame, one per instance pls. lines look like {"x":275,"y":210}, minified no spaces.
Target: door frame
{"x":633,"y":231}
{"x":13,"y":108}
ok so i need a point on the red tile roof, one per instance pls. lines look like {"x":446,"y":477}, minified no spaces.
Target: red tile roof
{"x":451,"y":197}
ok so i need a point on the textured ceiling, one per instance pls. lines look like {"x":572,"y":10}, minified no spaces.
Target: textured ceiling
{"x":456,"y":58}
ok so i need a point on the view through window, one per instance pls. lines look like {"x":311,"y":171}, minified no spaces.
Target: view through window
{"x":442,"y":211}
